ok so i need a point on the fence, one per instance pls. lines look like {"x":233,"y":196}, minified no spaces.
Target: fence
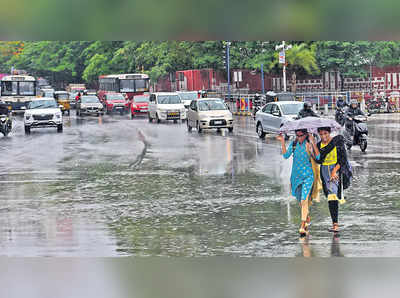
{"x":321,"y":101}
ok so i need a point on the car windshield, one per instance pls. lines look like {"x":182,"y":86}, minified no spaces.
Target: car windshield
{"x":42,"y":104}
{"x":211,"y":105}
{"x":188,"y":96}
{"x":115,"y":97}
{"x":168,"y":99}
{"x":89,"y":99}
{"x":141,"y":99}
{"x":291,"y":109}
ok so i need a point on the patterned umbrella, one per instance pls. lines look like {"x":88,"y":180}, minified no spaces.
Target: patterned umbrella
{"x":309,"y":123}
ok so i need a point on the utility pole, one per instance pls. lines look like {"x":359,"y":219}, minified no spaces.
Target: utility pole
{"x":228,"y":69}
{"x":282,"y":59}
{"x":262,"y":79}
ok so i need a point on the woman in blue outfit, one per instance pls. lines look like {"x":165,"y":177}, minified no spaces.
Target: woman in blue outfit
{"x":302,"y":177}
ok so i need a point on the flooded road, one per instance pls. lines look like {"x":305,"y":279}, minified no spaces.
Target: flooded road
{"x":112,"y":186}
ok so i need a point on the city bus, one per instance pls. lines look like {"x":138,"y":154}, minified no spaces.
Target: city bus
{"x":128,"y":84}
{"x":18,"y":91}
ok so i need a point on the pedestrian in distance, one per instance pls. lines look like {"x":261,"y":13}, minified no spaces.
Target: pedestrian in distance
{"x":335,"y":171}
{"x":304,"y":177}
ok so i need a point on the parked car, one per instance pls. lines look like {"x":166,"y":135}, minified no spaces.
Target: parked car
{"x":187,"y":97}
{"x":208,"y":113}
{"x":139,"y":105}
{"x":43,"y":112}
{"x":62,"y":98}
{"x":89,"y":105}
{"x":114,"y":102}
{"x":166,"y":106}
{"x":272,"y":116}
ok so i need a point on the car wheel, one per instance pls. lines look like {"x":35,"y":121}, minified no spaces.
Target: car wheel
{"x":199,"y":130}
{"x":59,"y":128}
{"x":230,"y":129}
{"x":260,"y":131}
{"x":188,"y":126}
{"x":27,"y":130}
{"x":150,"y":119}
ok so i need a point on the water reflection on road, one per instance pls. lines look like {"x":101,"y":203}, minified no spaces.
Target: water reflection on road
{"x":112,"y":186}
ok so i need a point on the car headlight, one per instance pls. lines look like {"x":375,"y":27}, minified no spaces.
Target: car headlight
{"x":58,"y":116}
{"x":183,"y":110}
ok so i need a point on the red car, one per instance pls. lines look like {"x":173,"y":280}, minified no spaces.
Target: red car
{"x":114,"y":102}
{"x":139,"y":105}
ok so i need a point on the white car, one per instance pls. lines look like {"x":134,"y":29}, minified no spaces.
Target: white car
{"x":166,"y":106}
{"x":272,"y":116}
{"x":43,"y":112}
{"x":207,"y":113}
{"x":187,"y":97}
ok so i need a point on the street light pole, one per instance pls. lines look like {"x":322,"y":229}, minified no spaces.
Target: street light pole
{"x":262,"y":79}
{"x":228,"y":68}
{"x":283,"y":48}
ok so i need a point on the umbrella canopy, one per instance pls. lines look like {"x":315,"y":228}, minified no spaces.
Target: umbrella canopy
{"x":309,"y":123}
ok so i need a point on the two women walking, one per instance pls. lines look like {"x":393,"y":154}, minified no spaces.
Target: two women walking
{"x":313,"y":164}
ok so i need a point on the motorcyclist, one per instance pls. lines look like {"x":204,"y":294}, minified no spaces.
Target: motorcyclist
{"x":341,"y":103}
{"x":307,"y":111}
{"x":78,"y":96}
{"x":340,"y":108}
{"x":354,"y":109}
{"x":4,"y":111}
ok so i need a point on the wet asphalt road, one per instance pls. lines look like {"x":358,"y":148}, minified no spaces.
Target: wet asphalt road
{"x":112,"y":186}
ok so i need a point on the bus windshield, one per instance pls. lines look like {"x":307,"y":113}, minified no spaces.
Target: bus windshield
{"x":141,"y":84}
{"x":127,"y":86}
{"x":17,"y":88}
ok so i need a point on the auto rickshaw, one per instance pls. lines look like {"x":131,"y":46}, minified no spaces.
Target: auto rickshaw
{"x":62,"y":98}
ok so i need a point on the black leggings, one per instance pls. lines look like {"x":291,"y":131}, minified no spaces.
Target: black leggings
{"x":334,"y":210}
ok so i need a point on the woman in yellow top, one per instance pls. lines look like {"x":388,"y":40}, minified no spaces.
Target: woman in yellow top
{"x":331,"y":154}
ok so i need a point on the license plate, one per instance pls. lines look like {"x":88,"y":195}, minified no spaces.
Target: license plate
{"x":218,"y":122}
{"x":119,"y":107}
{"x":172,"y":114}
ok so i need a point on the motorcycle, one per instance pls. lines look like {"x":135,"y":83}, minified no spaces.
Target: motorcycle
{"x":340,"y":116}
{"x":5,"y":125}
{"x":356,"y":132}
{"x":375,"y":106}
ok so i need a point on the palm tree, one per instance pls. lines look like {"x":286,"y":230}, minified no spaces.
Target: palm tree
{"x":299,"y":59}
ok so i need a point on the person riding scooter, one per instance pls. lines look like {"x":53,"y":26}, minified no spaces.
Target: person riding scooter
{"x":356,"y":129}
{"x":5,"y":121}
{"x":340,"y":110}
{"x":307,"y":111}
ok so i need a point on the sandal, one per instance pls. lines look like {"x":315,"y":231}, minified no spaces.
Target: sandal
{"x":335,"y":228}
{"x":303,"y":230}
